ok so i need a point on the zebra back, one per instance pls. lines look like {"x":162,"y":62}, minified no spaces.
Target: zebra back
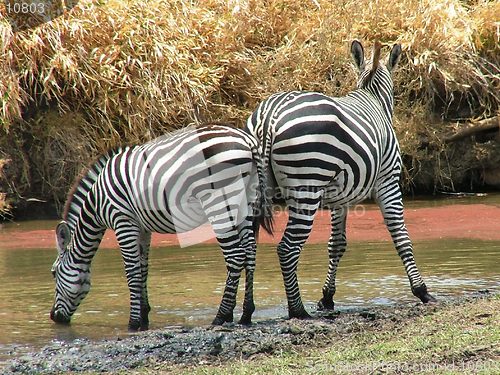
{"x":83,"y":184}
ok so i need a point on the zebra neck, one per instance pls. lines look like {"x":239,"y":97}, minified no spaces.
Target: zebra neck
{"x":384,"y":99}
{"x":85,"y":239}
{"x":83,"y":250}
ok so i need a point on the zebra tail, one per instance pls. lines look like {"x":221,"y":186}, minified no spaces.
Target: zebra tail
{"x":263,"y":212}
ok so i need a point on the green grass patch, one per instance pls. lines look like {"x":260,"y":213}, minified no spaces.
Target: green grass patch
{"x":454,"y":339}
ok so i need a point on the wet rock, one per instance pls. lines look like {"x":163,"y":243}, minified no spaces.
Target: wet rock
{"x":369,"y":315}
{"x":217,"y":345}
{"x":292,"y":329}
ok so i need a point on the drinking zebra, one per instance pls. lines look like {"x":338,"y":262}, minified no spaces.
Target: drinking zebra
{"x":335,"y":151}
{"x":169,"y":185}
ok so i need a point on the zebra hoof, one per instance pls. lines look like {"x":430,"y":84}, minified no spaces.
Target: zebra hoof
{"x":134,"y":325}
{"x":145,"y":317}
{"x":424,"y":296}
{"x":428,"y":299}
{"x":245,"y":320}
{"x":326,"y":305}
{"x":299,"y":314}
{"x":220,"y":320}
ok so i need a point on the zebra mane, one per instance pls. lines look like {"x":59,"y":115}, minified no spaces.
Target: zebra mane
{"x":370,"y":67}
{"x":376,"y":55}
{"x":82,"y":185}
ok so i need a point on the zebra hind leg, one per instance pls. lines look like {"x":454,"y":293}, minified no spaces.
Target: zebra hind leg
{"x":336,"y":248}
{"x":248,"y":241}
{"x":238,"y":246}
{"x":225,"y":313}
{"x":248,"y":303}
{"x":301,"y":214}
{"x":391,"y":205}
{"x":235,"y":259}
{"x":296,"y":308}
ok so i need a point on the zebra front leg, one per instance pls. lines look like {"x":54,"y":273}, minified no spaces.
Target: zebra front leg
{"x":336,"y":248}
{"x":300,"y":220}
{"x":129,"y":238}
{"x":134,"y":281}
{"x":145,"y":242}
{"x":391,"y":205}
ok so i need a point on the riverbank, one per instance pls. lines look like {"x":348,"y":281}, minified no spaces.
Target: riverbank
{"x":451,"y":219}
{"x":456,"y":336}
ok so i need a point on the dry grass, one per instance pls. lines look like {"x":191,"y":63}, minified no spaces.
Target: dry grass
{"x":132,"y":69}
{"x":4,"y":204}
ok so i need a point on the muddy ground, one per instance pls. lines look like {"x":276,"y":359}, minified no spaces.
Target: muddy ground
{"x":214,"y":345}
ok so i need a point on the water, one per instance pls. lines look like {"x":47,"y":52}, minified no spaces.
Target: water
{"x":186,"y":285}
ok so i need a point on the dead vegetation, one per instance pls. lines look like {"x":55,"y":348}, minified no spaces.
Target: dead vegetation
{"x":112,"y":72}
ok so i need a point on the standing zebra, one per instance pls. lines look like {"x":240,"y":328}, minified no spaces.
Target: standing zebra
{"x":335,"y":151}
{"x":169,"y":185}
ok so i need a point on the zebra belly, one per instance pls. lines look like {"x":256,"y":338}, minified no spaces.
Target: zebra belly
{"x":184,"y":217}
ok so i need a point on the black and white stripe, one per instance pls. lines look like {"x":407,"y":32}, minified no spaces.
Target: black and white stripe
{"x":170,"y":185}
{"x":336,"y":152}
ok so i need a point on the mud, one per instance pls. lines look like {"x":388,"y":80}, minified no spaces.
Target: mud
{"x":213,"y":345}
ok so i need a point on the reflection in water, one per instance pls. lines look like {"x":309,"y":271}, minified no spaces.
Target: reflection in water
{"x":186,"y":286}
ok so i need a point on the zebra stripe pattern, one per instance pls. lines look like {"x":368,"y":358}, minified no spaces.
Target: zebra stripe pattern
{"x":335,"y":152}
{"x":170,"y":185}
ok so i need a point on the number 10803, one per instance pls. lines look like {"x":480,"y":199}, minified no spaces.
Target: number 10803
{"x":14,"y":7}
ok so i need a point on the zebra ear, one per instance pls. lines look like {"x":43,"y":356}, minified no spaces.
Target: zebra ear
{"x":358,"y":55}
{"x":394,"y":57}
{"x":63,"y":236}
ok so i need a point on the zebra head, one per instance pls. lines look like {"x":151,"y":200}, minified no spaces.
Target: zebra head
{"x":374,"y":75}
{"x":72,"y":281}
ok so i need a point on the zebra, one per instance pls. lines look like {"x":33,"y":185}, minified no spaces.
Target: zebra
{"x":169,"y":185}
{"x":336,"y":152}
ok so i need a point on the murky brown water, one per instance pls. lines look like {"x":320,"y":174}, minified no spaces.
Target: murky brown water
{"x":186,"y":285}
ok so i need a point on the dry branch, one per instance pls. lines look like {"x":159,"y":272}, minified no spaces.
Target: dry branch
{"x":474,"y":128}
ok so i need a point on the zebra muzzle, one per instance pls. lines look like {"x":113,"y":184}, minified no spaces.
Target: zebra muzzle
{"x":58,"y":317}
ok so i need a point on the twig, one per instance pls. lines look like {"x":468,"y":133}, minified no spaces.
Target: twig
{"x":474,"y":128}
